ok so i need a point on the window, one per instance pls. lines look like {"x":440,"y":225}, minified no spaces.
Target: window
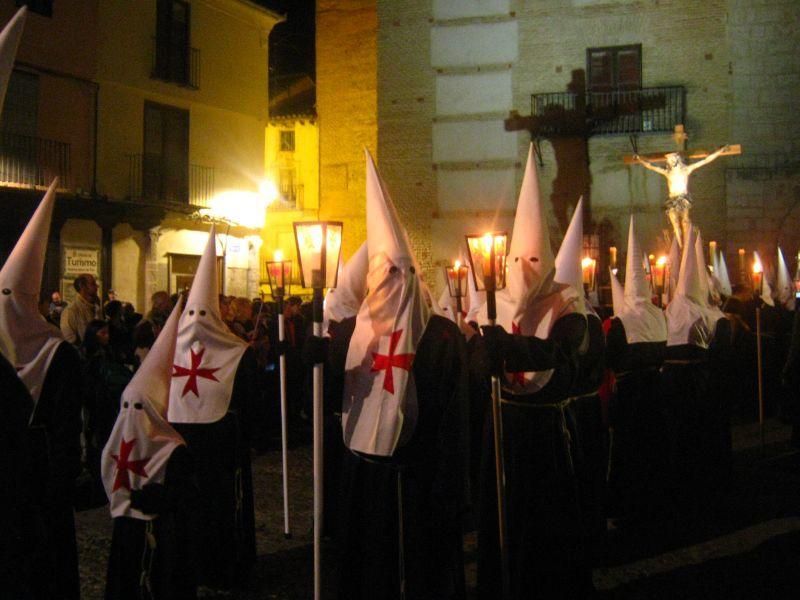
{"x":287,"y":185}
{"x":172,"y":41}
{"x":287,"y":141}
{"x":614,"y":69}
{"x":40,"y":7}
{"x":165,"y":164}
{"x":21,"y":106}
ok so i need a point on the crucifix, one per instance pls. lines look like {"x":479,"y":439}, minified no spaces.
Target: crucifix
{"x":676,"y":171}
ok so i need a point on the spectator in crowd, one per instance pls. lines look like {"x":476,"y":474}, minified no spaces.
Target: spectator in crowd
{"x":86,"y":307}
{"x":120,"y":338}
{"x":242,"y":322}
{"x":57,"y":305}
{"x":160,"y":307}
{"x":144,"y":336}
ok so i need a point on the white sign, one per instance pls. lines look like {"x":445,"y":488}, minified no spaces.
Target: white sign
{"x":81,"y":260}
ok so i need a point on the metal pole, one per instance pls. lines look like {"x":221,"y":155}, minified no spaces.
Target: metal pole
{"x":760,"y":379}
{"x":287,"y":532}
{"x":459,"y":317}
{"x":499,"y":460}
{"x":317,"y":451}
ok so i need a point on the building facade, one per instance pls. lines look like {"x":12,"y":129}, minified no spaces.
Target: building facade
{"x":161,"y":108}
{"x":464,"y":86}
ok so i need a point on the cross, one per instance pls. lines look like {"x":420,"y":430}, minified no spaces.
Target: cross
{"x":386,"y":362}
{"x":124,"y":465}
{"x":194,"y":372}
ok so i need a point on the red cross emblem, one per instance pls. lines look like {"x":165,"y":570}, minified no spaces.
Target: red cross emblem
{"x":386,"y":362}
{"x":124,"y":465}
{"x":518,"y":377}
{"x":193,"y":373}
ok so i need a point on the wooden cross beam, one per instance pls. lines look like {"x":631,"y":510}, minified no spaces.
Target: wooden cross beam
{"x":733,"y":149}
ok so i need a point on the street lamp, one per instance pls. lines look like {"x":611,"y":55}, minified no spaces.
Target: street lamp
{"x":487,"y":257}
{"x":279,"y":273}
{"x":456,"y":276}
{"x":319,"y":244}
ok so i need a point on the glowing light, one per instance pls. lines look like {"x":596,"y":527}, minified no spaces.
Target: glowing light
{"x":662,"y":260}
{"x":277,"y":255}
{"x":757,"y":266}
{"x":247,"y":209}
{"x":269,"y":190}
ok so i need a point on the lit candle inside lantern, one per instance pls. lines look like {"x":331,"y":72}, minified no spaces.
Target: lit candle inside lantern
{"x":758,"y":276}
{"x":275,"y":266}
{"x":712,"y":251}
{"x":612,"y":257}
{"x":742,"y":267}
{"x":588,"y":268}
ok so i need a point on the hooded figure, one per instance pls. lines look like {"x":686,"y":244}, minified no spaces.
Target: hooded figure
{"x":50,"y":369}
{"x":404,"y":425}
{"x":694,"y":392}
{"x":535,"y":349}
{"x":617,"y":294}
{"x":147,"y":474}
{"x":345,"y":299}
{"x":721,"y":273}
{"x":636,"y":341}
{"x":210,"y":405}
{"x":9,"y":42}
{"x":591,"y":463}
{"x":674,"y":262}
{"x":784,"y":286}
{"x":766,"y":288}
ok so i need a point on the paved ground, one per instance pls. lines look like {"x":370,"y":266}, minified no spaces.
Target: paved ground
{"x":746,"y":547}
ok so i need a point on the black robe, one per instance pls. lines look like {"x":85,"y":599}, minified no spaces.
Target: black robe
{"x":590,"y":448}
{"x":639,"y":447}
{"x":546,"y":545}
{"x":432,"y":467}
{"x":163,"y":568}
{"x":56,"y":449}
{"x":226,"y":536}
{"x":697,"y":423}
{"x":21,"y":525}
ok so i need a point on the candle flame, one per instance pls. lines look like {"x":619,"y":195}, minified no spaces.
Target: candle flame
{"x":457,"y":265}
{"x":587,"y":262}
{"x":277,"y":255}
{"x":741,"y":251}
{"x":757,"y":266}
{"x":662,"y":260}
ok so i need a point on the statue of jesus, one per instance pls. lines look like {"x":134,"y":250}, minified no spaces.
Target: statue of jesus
{"x":677,"y":174}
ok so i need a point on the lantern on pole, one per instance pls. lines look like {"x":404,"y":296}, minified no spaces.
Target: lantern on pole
{"x":487,"y":257}
{"x":757,"y":278}
{"x":279,"y":274}
{"x":456,"y":277}
{"x":319,"y":245}
{"x":588,"y":270}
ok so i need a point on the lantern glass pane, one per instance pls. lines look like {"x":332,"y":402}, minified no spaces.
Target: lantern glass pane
{"x":332,"y":253}
{"x":487,"y":256}
{"x":318,"y":241}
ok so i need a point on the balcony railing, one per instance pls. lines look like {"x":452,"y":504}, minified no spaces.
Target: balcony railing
{"x":644,"y":110}
{"x":178,"y":66}
{"x":150,"y":180}
{"x":28,"y":161}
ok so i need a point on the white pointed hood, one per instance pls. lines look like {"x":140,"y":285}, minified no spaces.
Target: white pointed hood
{"x":26,"y":340}
{"x":617,"y":294}
{"x":532,"y":302}
{"x":722,"y":275}
{"x":690,"y":317}
{"x":784,"y":286}
{"x":379,"y":410}
{"x":475,"y":299}
{"x":207,"y":354}
{"x":643,"y":320}
{"x":766,"y":288}
{"x":344,"y":301}
{"x":139,"y":447}
{"x":9,"y":42}
{"x":569,"y":270}
{"x":674,"y":263}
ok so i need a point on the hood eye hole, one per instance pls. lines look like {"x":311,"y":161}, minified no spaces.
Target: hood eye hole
{"x":125,"y":404}
{"x":6,"y":292}
{"x":412,"y":269}
{"x":202,"y":313}
{"x":138,"y":406}
{"x":191,"y":312}
{"x":516,"y":259}
{"x":393,"y":270}
{"x":534,"y":259}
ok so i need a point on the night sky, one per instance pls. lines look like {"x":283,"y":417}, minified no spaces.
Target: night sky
{"x":291,"y":44}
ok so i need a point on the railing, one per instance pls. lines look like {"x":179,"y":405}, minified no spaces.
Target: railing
{"x":185,"y":73}
{"x":290,"y":197}
{"x":32,"y":161}
{"x":149,"y":180}
{"x":611,"y":113}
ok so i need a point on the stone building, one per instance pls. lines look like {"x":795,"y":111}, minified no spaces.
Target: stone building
{"x":458,"y":80}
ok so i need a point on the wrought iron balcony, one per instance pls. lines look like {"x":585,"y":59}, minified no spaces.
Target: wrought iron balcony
{"x":646,"y":110}
{"x":27,"y":161}
{"x":290,"y":197}
{"x":180,"y":66}
{"x":152,"y":179}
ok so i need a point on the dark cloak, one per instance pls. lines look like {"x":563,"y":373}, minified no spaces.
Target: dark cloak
{"x":162,"y":569}
{"x":226,"y":536}
{"x":433,"y":470}
{"x":546,"y":545}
